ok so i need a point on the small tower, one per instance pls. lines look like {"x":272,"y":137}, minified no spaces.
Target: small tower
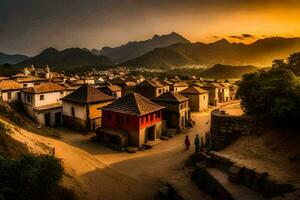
{"x":48,"y":73}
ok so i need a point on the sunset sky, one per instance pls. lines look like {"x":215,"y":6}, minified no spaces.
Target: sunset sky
{"x":29,"y":26}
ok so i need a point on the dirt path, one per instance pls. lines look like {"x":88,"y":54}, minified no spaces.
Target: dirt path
{"x":97,"y":172}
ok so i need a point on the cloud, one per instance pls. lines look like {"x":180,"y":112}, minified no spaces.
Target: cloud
{"x":242,"y":36}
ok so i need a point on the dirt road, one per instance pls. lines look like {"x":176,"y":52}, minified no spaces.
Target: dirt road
{"x":102,"y":173}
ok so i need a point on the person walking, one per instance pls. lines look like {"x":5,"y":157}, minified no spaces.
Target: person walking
{"x":187,"y":143}
{"x":197,"y":143}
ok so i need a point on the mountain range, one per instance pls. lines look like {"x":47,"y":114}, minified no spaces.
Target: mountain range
{"x":11,"y":59}
{"x":69,"y":59}
{"x":135,"y":49}
{"x":260,"y":53}
{"x":227,"y":71}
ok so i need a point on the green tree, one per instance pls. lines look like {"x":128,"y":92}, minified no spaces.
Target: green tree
{"x":272,"y":95}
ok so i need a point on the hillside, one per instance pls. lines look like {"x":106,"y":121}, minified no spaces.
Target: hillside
{"x":260,"y":53}
{"x":68,"y":59}
{"x":138,"y":48}
{"x":11,"y":59}
{"x":226,"y":71}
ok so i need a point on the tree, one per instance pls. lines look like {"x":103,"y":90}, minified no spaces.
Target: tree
{"x":272,"y":95}
{"x":278,"y":63}
{"x":294,"y":59}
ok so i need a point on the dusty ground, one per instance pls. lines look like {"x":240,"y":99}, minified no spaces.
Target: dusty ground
{"x":97,"y":172}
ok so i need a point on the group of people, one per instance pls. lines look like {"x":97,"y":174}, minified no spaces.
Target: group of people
{"x":197,"y":142}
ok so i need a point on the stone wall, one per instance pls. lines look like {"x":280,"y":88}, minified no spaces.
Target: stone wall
{"x":226,"y":128}
{"x":238,"y":174}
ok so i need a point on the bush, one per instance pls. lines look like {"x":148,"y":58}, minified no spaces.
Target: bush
{"x":30,"y":177}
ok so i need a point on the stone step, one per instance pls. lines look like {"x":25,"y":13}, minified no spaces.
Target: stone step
{"x":168,"y":135}
{"x":185,"y":187}
{"x":236,"y":191}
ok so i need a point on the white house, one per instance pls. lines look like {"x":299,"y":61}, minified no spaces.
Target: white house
{"x":30,"y":81}
{"x":10,"y":91}
{"x":43,"y":103}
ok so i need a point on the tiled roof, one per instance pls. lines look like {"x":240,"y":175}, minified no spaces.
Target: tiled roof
{"x":30,"y":79}
{"x":87,"y":94}
{"x":148,"y":83}
{"x":171,"y":97}
{"x":193,"y":90}
{"x":133,"y":104}
{"x":9,"y":85}
{"x":114,"y":88}
{"x":44,"y":88}
{"x":213,"y":85}
{"x":181,"y":84}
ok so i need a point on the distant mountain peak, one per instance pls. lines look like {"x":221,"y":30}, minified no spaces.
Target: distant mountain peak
{"x":222,"y":41}
{"x":50,"y":50}
{"x":138,"y":48}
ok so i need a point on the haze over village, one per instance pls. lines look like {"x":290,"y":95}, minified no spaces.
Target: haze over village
{"x":141,"y":100}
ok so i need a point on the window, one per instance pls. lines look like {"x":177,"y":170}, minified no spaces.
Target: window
{"x":24,"y":85}
{"x":61,"y":93}
{"x":159,"y":91}
{"x":36,"y":84}
{"x":203,"y":97}
{"x":127,"y":120}
{"x":73,"y":111}
{"x":9,"y":95}
{"x":142,"y":119}
{"x":158,"y":114}
{"x":151,"y":117}
{"x":42,"y":97}
{"x":147,"y":118}
{"x":109,"y":117}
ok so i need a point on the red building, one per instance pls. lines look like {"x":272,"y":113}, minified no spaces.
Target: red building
{"x":130,"y":120}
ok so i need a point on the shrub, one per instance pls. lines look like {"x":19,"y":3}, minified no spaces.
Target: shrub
{"x":30,"y":177}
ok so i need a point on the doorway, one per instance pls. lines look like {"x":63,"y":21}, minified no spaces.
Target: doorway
{"x":150,"y":134}
{"x":58,"y":119}
{"x":47,"y":119}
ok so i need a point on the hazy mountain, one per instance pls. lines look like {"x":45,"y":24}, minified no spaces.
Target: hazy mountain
{"x":67,"y":59}
{"x":259,"y":53}
{"x":135,"y":49}
{"x":11,"y":59}
{"x":227,"y":71}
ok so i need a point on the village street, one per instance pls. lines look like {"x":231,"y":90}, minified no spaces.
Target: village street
{"x":97,"y":172}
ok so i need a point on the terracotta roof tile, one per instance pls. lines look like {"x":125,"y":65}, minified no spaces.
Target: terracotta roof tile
{"x":9,"y":85}
{"x":193,"y":90}
{"x":171,"y":97}
{"x":44,"y":88}
{"x":133,"y":104}
{"x":87,"y":94}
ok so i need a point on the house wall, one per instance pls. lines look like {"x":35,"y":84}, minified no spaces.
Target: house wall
{"x":136,"y":126}
{"x":40,"y":116}
{"x":49,"y":98}
{"x":178,"y":89}
{"x":79,"y":109}
{"x":198,"y":102}
{"x":14,"y":96}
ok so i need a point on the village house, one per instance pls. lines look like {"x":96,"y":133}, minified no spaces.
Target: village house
{"x":179,"y":86}
{"x":213,"y":91}
{"x":151,"y":89}
{"x":43,"y":103}
{"x":82,"y":108}
{"x":130,"y":120}
{"x":30,"y":81}
{"x":198,"y":98}
{"x":224,"y":92}
{"x":10,"y":91}
{"x":112,"y":90}
{"x":176,"y":113}
{"x":233,"y":90}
